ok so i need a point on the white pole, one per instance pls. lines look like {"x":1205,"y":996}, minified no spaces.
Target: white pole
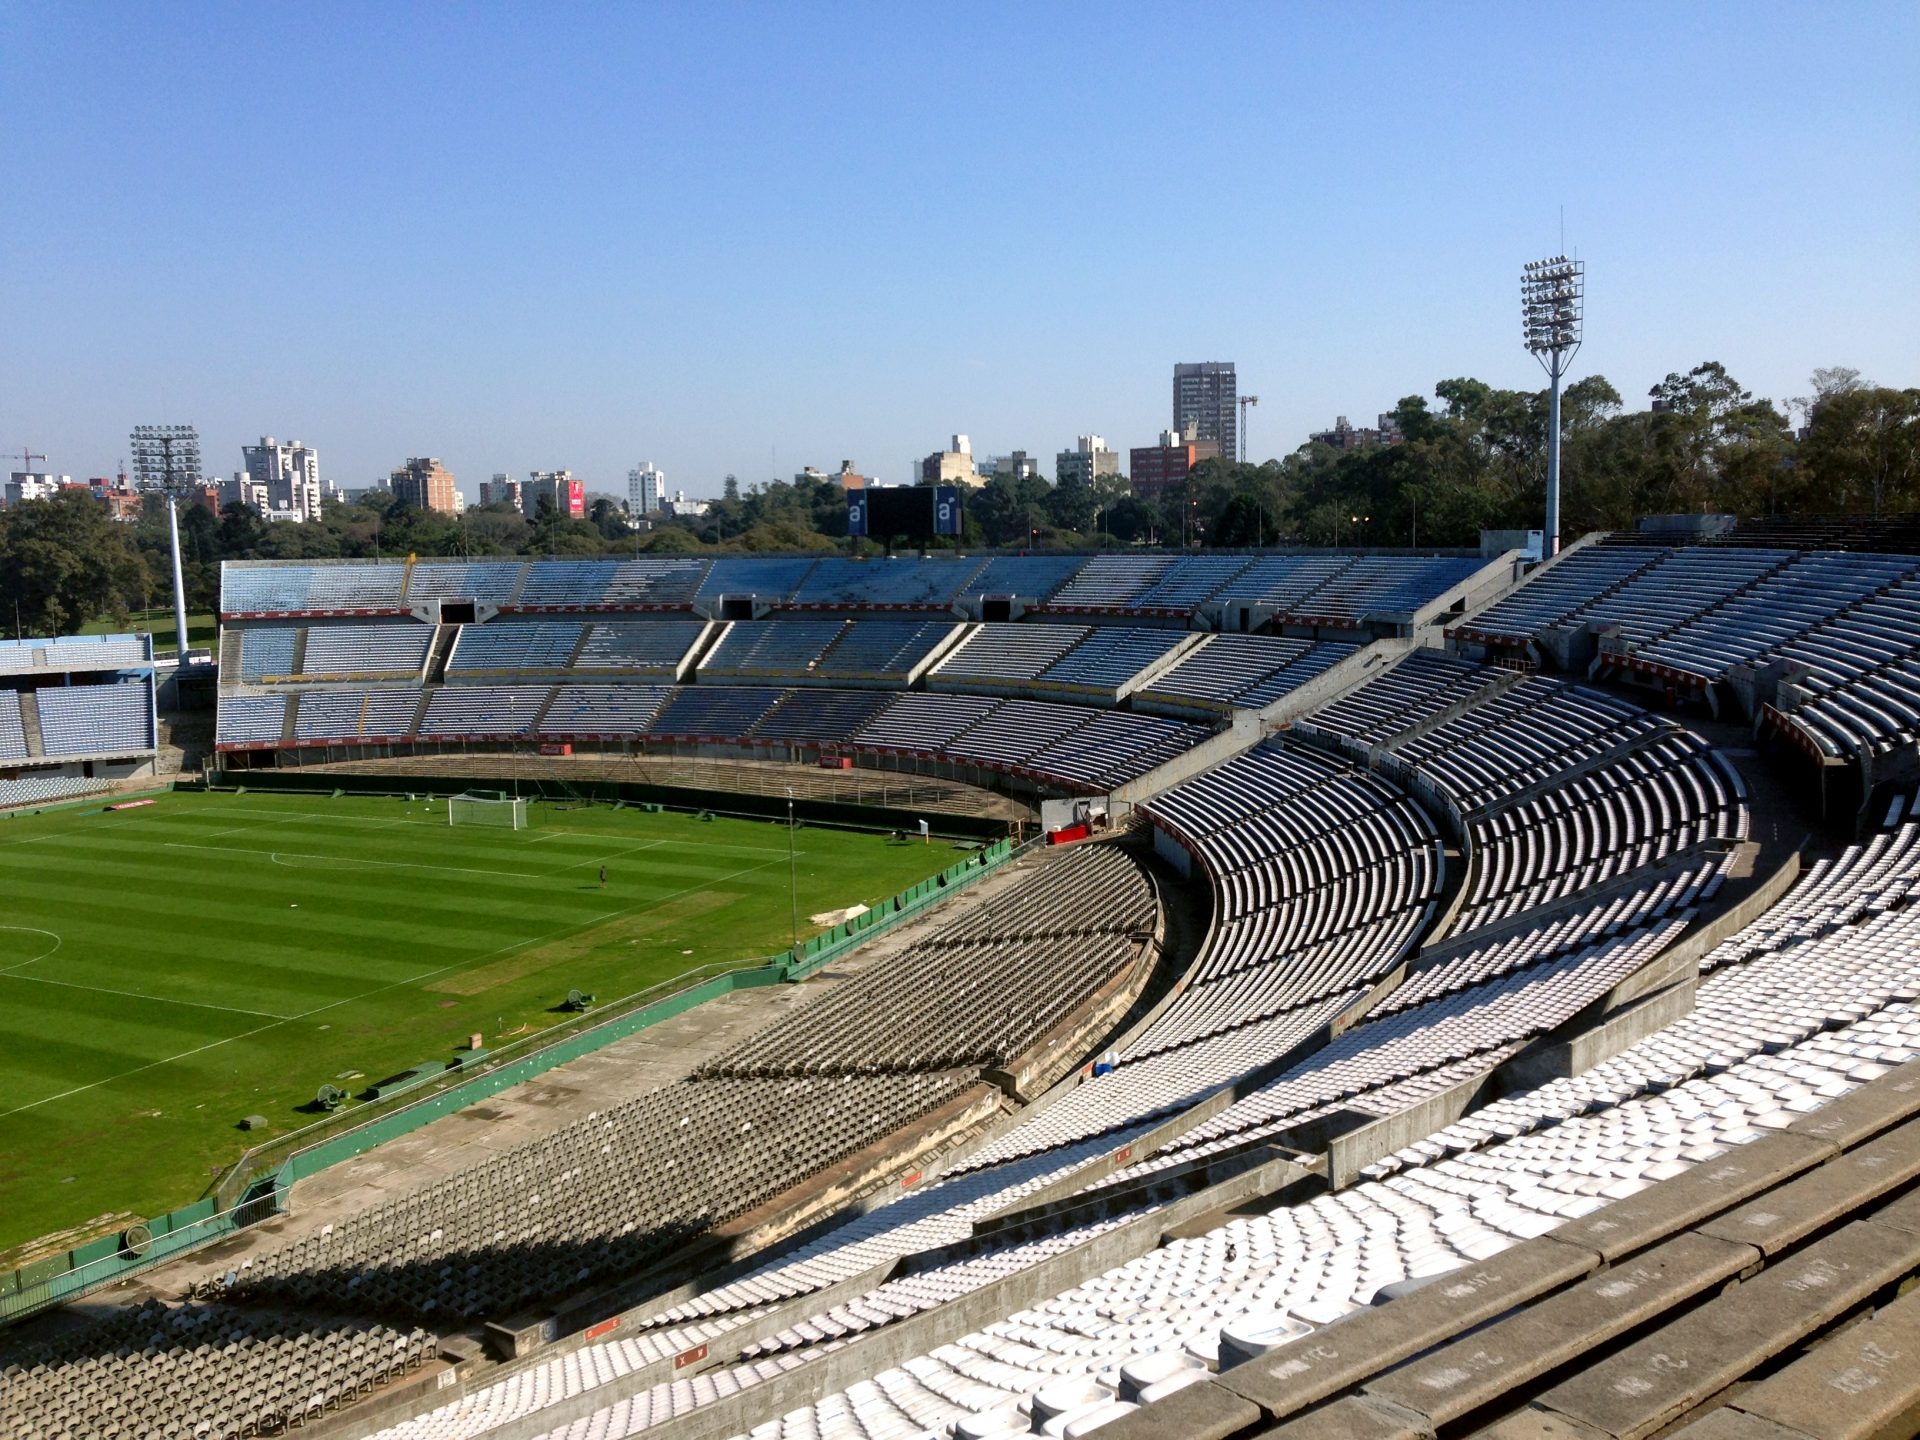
{"x":1552,"y":546}
{"x":793,"y":883}
{"x":179,"y":587}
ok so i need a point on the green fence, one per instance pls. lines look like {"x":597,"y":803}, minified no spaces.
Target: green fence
{"x":829,"y":945}
{"x":833,"y":814}
{"x":256,"y":1187}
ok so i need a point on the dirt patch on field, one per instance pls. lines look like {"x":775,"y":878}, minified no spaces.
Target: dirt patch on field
{"x":582,"y":942}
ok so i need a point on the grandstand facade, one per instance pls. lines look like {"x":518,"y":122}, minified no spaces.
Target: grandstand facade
{"x":76,"y":716}
{"x":1510,"y":971}
{"x":891,"y":662}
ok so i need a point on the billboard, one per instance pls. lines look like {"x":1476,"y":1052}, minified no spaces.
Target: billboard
{"x":856,"y":505}
{"x":946,"y":510}
{"x":909,"y":510}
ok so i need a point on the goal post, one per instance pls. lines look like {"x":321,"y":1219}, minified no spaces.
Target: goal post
{"x":505,"y":812}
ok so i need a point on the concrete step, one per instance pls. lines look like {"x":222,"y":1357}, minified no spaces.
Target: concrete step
{"x":1492,"y":1366}
{"x":1684,"y":1365}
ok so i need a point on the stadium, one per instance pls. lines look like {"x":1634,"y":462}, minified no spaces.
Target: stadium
{"x":1214,"y":995}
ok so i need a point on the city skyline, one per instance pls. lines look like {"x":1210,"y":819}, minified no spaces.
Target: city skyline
{"x":750,"y":243}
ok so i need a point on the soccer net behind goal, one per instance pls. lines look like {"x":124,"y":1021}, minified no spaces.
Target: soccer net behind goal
{"x":507,"y":812}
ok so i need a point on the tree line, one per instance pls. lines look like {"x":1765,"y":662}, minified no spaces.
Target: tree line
{"x":1471,"y":458}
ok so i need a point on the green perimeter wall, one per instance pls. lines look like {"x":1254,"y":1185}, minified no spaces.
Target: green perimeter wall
{"x":830,"y":813}
{"x":72,"y":1272}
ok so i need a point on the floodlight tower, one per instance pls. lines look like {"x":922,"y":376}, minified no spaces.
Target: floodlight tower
{"x":1245,"y":402}
{"x":1552,"y":293}
{"x":166,"y":461}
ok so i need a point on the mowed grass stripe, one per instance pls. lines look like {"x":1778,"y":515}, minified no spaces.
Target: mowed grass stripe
{"x":382,"y":966}
{"x":43,"y":1051}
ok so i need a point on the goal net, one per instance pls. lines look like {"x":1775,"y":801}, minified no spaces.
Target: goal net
{"x":507,"y":812}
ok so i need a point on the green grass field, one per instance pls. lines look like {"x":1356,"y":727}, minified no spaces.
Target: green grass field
{"x":167,"y":970}
{"x":202,"y":629}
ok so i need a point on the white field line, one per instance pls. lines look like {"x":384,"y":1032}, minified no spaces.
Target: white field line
{"x":381,"y":989}
{"x":137,"y":995}
{"x":30,"y":930}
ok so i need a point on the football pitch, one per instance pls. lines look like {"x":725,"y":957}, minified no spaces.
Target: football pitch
{"x":170,"y":969}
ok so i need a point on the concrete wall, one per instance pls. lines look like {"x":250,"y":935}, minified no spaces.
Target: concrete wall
{"x":1240,"y":736}
{"x":1484,"y":587}
{"x":1335,"y":681}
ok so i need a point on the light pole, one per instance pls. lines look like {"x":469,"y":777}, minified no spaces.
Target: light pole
{"x":793,"y":880}
{"x":166,"y":459}
{"x":1552,"y":296}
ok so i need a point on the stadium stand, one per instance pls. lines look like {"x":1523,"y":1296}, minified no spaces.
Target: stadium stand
{"x":255,"y":719}
{"x":1009,"y":654}
{"x":1381,"y":584}
{"x":817,"y":716}
{"x":1560,"y":789}
{"x":362,"y":652}
{"x":1282,"y":581}
{"x":1499,"y":1197}
{"x":1190,"y":581}
{"x":476,"y":711}
{"x":719,"y":713}
{"x":916,"y":722}
{"x":650,"y":1176}
{"x":490,"y":581}
{"x":1007,"y":974}
{"x":884,"y":584}
{"x":647,"y":647}
{"x":613,"y":711}
{"x":1723,"y":1183}
{"x":1891,"y":534}
{"x":772,"y":649}
{"x":145,"y":1372}
{"x":83,"y":720}
{"x":73,"y":653}
{"x":44,"y":789}
{"x":13,"y":737}
{"x":1032,"y":577}
{"x":775,"y":578}
{"x":1110,"y":656}
{"x":1578,"y":579}
{"x":887,"y":650}
{"x":1248,"y":671}
{"x":513,"y":647}
{"x":1109,"y":581}
{"x":1167,"y":585}
{"x":665,"y":582}
{"x":247,"y":590}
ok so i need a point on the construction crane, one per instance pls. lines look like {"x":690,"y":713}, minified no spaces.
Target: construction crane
{"x":1245,"y":401}
{"x":26,"y":458}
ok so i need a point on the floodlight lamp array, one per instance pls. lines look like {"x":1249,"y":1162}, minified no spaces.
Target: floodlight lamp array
{"x":1551,"y":296}
{"x":165,"y":457}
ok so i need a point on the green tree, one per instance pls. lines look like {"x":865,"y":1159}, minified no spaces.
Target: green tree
{"x":1862,"y":450}
{"x":63,"y":563}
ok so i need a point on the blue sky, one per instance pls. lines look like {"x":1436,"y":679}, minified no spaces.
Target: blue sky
{"x":748,"y":238}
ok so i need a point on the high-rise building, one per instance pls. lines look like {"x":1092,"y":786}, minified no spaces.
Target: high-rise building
{"x":24,"y":485}
{"x":1206,"y":397}
{"x":503,"y":489}
{"x":646,"y":488}
{"x":952,"y":466}
{"x":1019,"y":465}
{"x":424,"y":483}
{"x":1086,"y":462}
{"x":1156,"y":469}
{"x":288,"y":475}
{"x":559,"y":489}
